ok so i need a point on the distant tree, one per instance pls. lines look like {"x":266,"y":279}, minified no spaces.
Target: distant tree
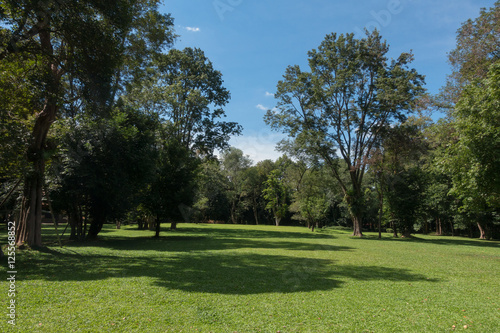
{"x":234,"y":165}
{"x":276,"y":193}
{"x":310,"y":201}
{"x":172,"y":190}
{"x":254,"y":178}
{"x":395,"y":163}
{"x":211,"y":199}
{"x":18,"y":97}
{"x":351,"y":93}
{"x":404,"y":198}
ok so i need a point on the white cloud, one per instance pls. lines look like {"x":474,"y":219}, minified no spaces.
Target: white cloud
{"x":268,"y":94}
{"x":193,"y":29}
{"x":260,"y":146}
{"x":262,"y":107}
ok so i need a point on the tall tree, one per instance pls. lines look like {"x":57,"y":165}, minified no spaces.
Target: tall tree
{"x":341,"y":105}
{"x":473,"y":159}
{"x":234,"y":164}
{"x":76,"y":46}
{"x":211,"y":198}
{"x":276,"y":192}
{"x":187,"y":95}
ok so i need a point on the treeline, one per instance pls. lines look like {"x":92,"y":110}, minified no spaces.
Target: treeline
{"x":103,"y":119}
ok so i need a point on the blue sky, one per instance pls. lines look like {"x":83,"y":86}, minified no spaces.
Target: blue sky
{"x":253,"y":41}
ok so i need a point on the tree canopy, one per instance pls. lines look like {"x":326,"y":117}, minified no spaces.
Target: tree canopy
{"x":340,"y":107}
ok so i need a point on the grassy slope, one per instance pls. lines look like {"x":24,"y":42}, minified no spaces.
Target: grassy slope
{"x":226,"y":278}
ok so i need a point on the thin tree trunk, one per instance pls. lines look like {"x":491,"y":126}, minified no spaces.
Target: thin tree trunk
{"x":158,"y":226}
{"x":482,"y":231}
{"x":233,"y":212}
{"x":73,"y":221}
{"x":381,"y":213}
{"x":439,"y":227}
{"x":255,"y":212}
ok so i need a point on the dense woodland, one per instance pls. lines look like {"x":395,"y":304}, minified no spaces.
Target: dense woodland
{"x":103,"y":121}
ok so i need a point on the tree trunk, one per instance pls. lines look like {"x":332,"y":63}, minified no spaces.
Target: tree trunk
{"x":151,"y":223}
{"x":233,"y":212}
{"x":173,"y":225}
{"x":158,"y":226}
{"x":394,"y":230}
{"x":482,"y":231}
{"x":29,"y":227}
{"x":256,"y":213}
{"x":439,"y":228}
{"x":74,"y":221}
{"x":98,"y":214}
{"x":356,"y":223}
{"x":277,"y":220}
{"x":406,"y":232}
{"x":381,"y":213}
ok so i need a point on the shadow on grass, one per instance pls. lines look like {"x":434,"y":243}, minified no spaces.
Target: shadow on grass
{"x":439,"y":240}
{"x":181,"y":243}
{"x":208,"y":230}
{"x":218,"y":273}
{"x":194,"y":238}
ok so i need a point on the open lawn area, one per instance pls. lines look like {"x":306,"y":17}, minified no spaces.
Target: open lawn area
{"x":233,"y":278}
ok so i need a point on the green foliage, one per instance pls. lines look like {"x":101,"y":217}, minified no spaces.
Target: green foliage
{"x":211,"y":197}
{"x":184,"y":89}
{"x":173,"y":186}
{"x":351,"y":93}
{"x":234,"y":165}
{"x":477,"y":49}
{"x":473,"y":160}
{"x":276,"y":195}
{"x":404,"y":198}
{"x":18,"y":98}
{"x":103,"y":164}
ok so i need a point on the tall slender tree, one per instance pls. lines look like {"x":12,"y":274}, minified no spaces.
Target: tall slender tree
{"x":340,"y":107}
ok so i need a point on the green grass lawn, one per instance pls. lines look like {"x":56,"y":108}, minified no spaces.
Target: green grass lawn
{"x":230,"y":278}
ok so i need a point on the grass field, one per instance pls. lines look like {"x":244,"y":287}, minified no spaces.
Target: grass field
{"x":231,"y":278}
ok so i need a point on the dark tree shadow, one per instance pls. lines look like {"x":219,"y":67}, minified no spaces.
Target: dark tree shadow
{"x":181,"y":243}
{"x":221,"y":273}
{"x":438,"y":240}
{"x":209,"y":260}
{"x":196,"y":238}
